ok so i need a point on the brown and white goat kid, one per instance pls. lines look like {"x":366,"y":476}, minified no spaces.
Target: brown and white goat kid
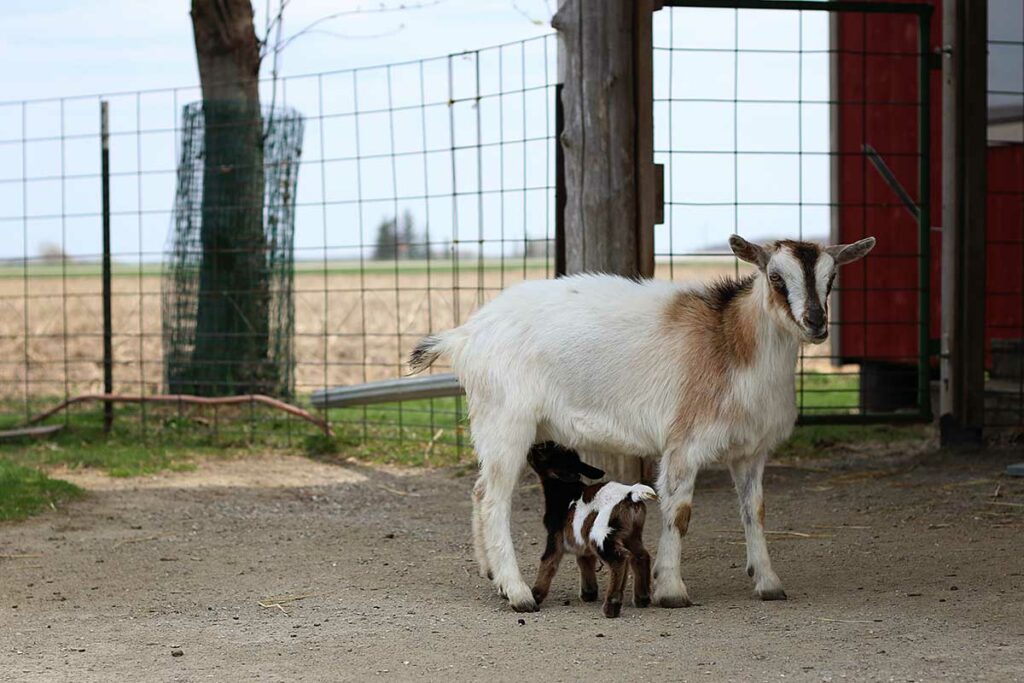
{"x":603,"y":521}
{"x":695,"y":374}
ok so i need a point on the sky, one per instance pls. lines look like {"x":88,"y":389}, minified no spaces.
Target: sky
{"x":362,"y":164}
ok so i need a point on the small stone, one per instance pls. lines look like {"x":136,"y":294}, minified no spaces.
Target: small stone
{"x":600,"y":635}
{"x":664,"y":634}
{"x":177,"y":653}
{"x":389,"y":535}
{"x":521,"y":622}
{"x":566,"y":603}
{"x":953,"y":588}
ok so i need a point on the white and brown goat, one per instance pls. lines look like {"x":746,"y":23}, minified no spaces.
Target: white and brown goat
{"x":600,"y":521}
{"x":693,"y":374}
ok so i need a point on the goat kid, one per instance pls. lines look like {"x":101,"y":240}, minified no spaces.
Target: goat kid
{"x":597,"y":521}
{"x":695,"y":374}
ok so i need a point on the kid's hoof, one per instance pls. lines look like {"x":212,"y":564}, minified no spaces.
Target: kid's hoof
{"x":539,"y":595}
{"x":673,"y":601}
{"x":642,"y":602}
{"x":587,"y":596}
{"x":775,"y":594}
{"x":612,"y":609}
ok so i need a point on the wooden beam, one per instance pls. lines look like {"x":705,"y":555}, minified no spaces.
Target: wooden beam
{"x":964,"y":188}
{"x":611,"y":183}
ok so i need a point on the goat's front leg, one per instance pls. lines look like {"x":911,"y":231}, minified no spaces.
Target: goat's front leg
{"x":501,"y":448}
{"x":548,"y":566}
{"x":747,"y":476}
{"x":675,"y":491}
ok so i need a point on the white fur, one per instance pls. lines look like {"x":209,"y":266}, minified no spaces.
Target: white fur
{"x":586,"y":361}
{"x":608,"y":496}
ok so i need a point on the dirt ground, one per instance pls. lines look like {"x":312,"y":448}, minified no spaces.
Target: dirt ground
{"x":898,"y":567}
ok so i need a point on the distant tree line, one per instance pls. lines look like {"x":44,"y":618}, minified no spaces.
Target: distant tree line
{"x":398,"y":238}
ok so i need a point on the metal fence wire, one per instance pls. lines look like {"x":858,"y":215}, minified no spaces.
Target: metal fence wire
{"x":819,"y":130}
{"x":424,"y":188}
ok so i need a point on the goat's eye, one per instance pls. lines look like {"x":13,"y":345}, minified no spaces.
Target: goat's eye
{"x":777,"y":282}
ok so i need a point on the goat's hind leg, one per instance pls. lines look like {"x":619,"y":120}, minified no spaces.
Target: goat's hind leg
{"x":619,"y":570}
{"x":501,"y":447}
{"x":747,"y":475}
{"x":479,"y":547}
{"x":640,"y":563}
{"x":588,"y":576}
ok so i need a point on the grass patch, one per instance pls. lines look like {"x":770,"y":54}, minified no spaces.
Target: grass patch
{"x":25,"y":491}
{"x":429,"y":432}
{"x":809,"y":441}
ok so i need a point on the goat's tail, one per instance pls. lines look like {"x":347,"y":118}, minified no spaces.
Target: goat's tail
{"x":428,"y":350}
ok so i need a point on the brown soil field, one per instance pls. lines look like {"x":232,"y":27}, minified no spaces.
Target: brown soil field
{"x":348,"y":328}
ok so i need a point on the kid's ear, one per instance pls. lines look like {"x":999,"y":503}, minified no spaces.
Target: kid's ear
{"x":590,"y":472}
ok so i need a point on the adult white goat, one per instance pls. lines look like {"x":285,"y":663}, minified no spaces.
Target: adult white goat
{"x":696,"y":374}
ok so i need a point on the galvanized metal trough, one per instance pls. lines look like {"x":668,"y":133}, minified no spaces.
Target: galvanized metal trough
{"x":388,"y":391}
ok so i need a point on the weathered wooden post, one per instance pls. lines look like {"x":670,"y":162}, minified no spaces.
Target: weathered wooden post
{"x":611,"y":183}
{"x":964,"y":198}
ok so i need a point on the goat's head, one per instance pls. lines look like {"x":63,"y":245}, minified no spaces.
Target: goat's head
{"x":799,"y":277}
{"x":551,"y":461}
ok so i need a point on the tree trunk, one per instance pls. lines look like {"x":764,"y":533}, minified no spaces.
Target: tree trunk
{"x":232,"y":326}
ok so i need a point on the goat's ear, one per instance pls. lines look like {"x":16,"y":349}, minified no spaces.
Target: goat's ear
{"x":590,"y":472}
{"x":848,"y":253}
{"x":748,"y":251}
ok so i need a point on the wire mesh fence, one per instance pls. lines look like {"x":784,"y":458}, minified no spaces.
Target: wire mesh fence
{"x":423,"y":189}
{"x":815,"y":132}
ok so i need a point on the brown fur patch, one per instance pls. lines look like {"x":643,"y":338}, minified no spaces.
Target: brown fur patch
{"x":683,"y":519}
{"x":716,"y":337}
{"x":590,"y":491}
{"x":760,"y":513}
{"x":588,"y":525}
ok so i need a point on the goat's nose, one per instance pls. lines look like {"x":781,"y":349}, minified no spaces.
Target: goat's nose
{"x":815,"y":319}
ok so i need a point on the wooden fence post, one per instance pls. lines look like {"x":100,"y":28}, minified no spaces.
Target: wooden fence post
{"x":611,"y":183}
{"x":964,"y":197}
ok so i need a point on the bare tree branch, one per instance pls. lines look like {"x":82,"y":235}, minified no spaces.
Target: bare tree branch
{"x":382,"y":9}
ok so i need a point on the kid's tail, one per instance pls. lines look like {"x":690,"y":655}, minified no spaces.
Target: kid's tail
{"x":641,"y":493}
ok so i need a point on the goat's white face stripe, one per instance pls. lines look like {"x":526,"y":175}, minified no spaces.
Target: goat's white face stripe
{"x":792,"y":272}
{"x":823,"y":270}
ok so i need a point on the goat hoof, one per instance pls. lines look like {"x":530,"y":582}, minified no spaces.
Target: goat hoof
{"x":588,"y":596}
{"x":612,"y":609}
{"x":539,"y":595}
{"x":644,"y":601}
{"x":489,"y":575}
{"x":673,"y":601}
{"x":525,"y":606}
{"x":775,"y":594}
{"x":750,"y":570}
